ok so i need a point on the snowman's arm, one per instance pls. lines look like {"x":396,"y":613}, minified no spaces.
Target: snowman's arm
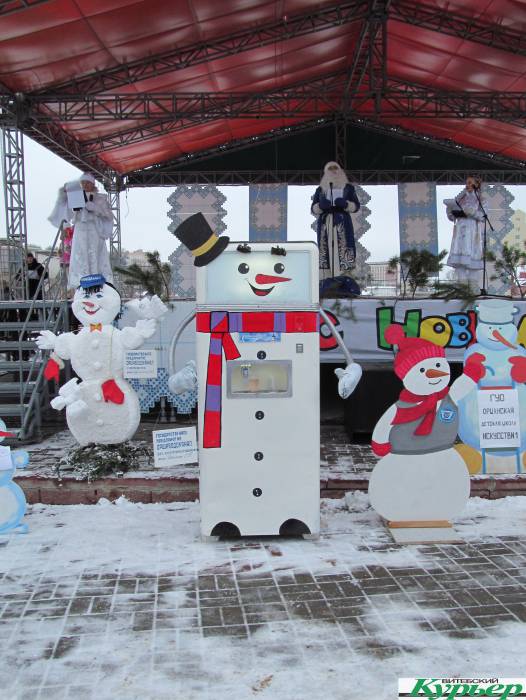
{"x":461,"y":387}
{"x":64,"y":344}
{"x":474,"y":371}
{"x":380,"y":439}
{"x":134,"y":336}
{"x":131,"y":338}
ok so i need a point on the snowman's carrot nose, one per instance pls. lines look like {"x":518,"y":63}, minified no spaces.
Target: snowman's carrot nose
{"x":89,"y":304}
{"x":270,"y":279}
{"x":503,"y":340}
{"x":432,"y":373}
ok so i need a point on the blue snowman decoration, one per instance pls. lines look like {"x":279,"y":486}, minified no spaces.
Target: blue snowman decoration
{"x":12,"y":499}
{"x":504,"y":360}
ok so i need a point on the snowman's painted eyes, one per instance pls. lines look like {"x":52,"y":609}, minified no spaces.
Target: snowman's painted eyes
{"x":422,"y":369}
{"x":99,"y":296}
{"x":279,"y":268}
{"x":243,"y":268}
{"x":437,"y":364}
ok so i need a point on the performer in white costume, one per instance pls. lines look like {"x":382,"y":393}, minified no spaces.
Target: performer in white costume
{"x":467,"y":243}
{"x":93,"y":225}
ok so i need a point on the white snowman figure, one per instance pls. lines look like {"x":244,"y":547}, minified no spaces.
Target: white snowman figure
{"x":420,"y":480}
{"x":103,"y":408}
{"x":12,"y":498}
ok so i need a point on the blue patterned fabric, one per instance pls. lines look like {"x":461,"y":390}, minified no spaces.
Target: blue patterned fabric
{"x":267,"y":212}
{"x":150,"y":391}
{"x":417,"y":214}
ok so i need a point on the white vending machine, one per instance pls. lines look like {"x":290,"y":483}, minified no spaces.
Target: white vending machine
{"x":258,"y":374}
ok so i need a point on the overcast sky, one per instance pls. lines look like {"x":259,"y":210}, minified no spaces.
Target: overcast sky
{"x":144,"y":211}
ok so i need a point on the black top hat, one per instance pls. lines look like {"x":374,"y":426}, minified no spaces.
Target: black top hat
{"x":201,"y":241}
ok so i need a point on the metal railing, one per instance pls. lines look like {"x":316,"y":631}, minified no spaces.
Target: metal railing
{"x":54,"y":317}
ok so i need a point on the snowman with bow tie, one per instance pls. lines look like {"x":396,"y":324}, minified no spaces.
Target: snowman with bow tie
{"x":102,"y":408}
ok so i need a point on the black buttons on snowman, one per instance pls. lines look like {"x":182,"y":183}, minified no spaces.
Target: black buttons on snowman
{"x":261,"y":355}
{"x":257,"y":492}
{"x":258,"y":456}
{"x":259,"y":415}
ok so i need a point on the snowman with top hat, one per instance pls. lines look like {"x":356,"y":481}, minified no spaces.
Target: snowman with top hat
{"x":12,"y":498}
{"x":102,"y":408}
{"x":503,"y":364}
{"x":420,"y":480}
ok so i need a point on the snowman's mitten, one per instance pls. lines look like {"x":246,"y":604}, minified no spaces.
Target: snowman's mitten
{"x":518,"y":369}
{"x":58,"y":403}
{"x":183,"y":380}
{"x":77,"y":408}
{"x":67,"y":394}
{"x":381,"y":449}
{"x":153,"y":307}
{"x":348,"y":379}
{"x":111,"y":392}
{"x":46,"y":340}
{"x":53,"y":367}
{"x":146,"y":327}
{"x":474,"y":367}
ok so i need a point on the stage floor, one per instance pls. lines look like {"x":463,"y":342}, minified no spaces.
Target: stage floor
{"x":343,"y":467}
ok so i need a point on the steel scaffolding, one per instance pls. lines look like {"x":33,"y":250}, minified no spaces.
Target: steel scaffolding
{"x":15,"y":208}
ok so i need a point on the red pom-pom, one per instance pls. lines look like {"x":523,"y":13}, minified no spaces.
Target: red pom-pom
{"x":394,"y":334}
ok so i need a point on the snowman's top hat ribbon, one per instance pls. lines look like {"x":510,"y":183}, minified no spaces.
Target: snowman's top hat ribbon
{"x":196,"y":234}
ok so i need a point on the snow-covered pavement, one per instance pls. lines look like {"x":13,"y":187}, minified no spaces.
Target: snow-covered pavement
{"x":124,"y":601}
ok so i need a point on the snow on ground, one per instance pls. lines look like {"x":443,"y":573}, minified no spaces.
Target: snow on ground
{"x":295,"y":659}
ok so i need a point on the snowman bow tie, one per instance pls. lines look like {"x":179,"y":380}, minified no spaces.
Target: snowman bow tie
{"x":95,"y":327}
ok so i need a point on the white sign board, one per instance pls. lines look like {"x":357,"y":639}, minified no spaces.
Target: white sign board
{"x":499,"y":418}
{"x":172,"y":447}
{"x":75,"y":195}
{"x":140,"y":364}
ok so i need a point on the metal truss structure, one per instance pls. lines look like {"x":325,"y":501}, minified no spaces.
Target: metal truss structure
{"x":399,"y":99}
{"x":15,"y":209}
{"x":9,"y":7}
{"x":173,"y":178}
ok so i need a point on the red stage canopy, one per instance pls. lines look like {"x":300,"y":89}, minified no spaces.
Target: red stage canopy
{"x":65,"y":55}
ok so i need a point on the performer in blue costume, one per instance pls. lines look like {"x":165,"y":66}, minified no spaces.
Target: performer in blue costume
{"x":333,"y":203}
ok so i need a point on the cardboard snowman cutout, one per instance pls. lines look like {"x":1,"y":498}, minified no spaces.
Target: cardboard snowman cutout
{"x":257,"y":326}
{"x":102,"y":408}
{"x":421,"y":482}
{"x":504,"y":364}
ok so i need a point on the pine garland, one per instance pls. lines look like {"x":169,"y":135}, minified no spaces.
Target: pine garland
{"x":94,"y":461}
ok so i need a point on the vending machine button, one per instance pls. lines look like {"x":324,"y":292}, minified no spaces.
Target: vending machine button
{"x":257,"y":492}
{"x":261,"y":355}
{"x":259,"y":415}
{"x":299,"y":348}
{"x":258,"y":456}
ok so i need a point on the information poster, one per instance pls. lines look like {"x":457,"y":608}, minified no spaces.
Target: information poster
{"x":499,"y":418}
{"x":173,"y":447}
{"x":140,"y":364}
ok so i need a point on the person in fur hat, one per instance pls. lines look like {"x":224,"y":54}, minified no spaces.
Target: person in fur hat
{"x":93,"y":226}
{"x":333,"y":203}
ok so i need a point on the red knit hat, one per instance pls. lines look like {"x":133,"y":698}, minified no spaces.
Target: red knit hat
{"x":411,"y":351}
